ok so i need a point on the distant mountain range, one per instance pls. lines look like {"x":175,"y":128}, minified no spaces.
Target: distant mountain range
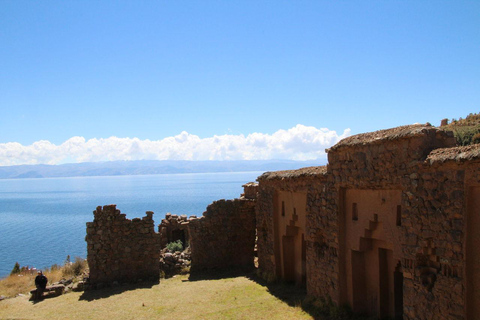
{"x":140,"y":167}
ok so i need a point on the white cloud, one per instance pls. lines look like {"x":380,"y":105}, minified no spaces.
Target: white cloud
{"x":298,"y":143}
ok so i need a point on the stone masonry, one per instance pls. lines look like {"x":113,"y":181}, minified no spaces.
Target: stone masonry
{"x":224,"y":236}
{"x":121,"y":250}
{"x":174,"y":228}
{"x":388,"y":227}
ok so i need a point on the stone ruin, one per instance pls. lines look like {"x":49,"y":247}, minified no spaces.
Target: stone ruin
{"x":224,"y":237}
{"x":250,"y":191}
{"x":174,"y":228}
{"x":388,"y":227}
{"x":121,"y":250}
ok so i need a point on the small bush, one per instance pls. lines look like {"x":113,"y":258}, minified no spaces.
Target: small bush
{"x":76,"y":268}
{"x":16,"y":269}
{"x":476,"y":138}
{"x":175,"y":246}
{"x":464,"y":135}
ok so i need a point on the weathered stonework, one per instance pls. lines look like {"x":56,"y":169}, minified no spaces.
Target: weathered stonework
{"x":121,"y":250}
{"x":224,"y":236}
{"x":390,"y":224}
{"x":388,"y":227}
{"x":287,"y":194}
{"x":250,"y":191}
{"x":174,"y":228}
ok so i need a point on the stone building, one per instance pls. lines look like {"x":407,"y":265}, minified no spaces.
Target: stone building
{"x":387,"y":227}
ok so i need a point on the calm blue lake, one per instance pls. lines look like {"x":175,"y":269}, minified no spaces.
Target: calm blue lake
{"x":43,"y":220}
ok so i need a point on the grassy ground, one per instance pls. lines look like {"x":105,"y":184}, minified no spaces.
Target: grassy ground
{"x":175,"y":298}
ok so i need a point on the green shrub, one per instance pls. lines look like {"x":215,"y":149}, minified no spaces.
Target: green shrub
{"x":16,"y":269}
{"x":476,"y":138}
{"x":464,"y":135}
{"x":175,"y":246}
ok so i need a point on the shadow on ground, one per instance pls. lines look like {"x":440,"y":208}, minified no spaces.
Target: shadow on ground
{"x":95,"y":294}
{"x":49,"y":295}
{"x":288,"y":293}
{"x":217,"y":274}
{"x":294,"y":296}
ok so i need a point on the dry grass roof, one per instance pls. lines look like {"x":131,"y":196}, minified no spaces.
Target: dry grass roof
{"x":457,"y":154}
{"x":381,"y":136}
{"x":290,"y":174}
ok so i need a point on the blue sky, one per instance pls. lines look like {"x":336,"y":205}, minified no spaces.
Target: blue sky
{"x":163,"y":71}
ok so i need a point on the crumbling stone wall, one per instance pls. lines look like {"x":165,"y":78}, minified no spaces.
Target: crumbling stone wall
{"x":174,"y":228}
{"x":250,"y":190}
{"x":119,"y":249}
{"x":224,"y":236}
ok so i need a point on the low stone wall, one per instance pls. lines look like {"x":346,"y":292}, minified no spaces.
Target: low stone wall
{"x":122,"y":250}
{"x":224,"y":236}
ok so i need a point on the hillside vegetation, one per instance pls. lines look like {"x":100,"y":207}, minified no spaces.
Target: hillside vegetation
{"x":22,"y":279}
{"x":466,"y":131}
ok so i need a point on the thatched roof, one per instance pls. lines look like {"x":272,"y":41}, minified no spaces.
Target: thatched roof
{"x":458,"y":154}
{"x":289,"y":174}
{"x":382,"y":136}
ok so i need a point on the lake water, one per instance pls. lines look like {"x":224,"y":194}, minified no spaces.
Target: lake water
{"x":43,"y":220}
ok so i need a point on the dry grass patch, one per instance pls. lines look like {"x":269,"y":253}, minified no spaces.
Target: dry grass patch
{"x":175,"y":298}
{"x":22,"y":283}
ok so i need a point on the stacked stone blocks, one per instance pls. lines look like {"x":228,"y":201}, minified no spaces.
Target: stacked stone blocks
{"x":121,"y":250}
{"x":224,"y":236}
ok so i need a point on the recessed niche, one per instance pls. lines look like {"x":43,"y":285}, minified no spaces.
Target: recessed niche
{"x":354,"y":211}
{"x":399,"y":215}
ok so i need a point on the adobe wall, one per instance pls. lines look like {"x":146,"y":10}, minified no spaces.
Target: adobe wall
{"x":122,"y":250}
{"x":224,"y":236}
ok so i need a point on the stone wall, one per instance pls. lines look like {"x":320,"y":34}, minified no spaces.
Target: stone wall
{"x":270,"y":185}
{"x":391,"y":224}
{"x":174,"y":228}
{"x":224,"y":236}
{"x":250,"y":190}
{"x":121,"y":250}
{"x":385,"y":160}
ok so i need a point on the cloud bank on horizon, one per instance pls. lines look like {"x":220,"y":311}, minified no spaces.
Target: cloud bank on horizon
{"x":297,"y":143}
